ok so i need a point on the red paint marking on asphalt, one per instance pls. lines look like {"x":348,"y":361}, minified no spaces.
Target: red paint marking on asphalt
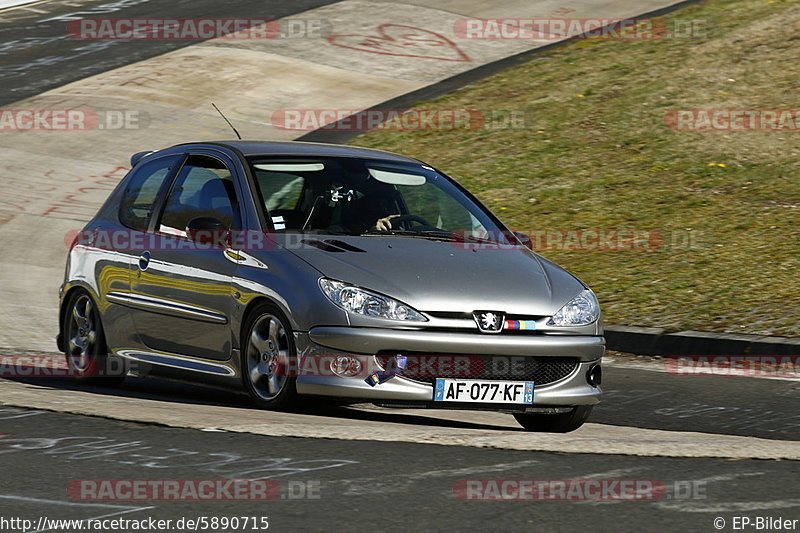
{"x":6,"y":217}
{"x":402,"y":40}
{"x":75,"y":204}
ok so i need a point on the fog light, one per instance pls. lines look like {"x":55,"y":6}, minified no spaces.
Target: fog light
{"x":346,"y":366}
{"x":595,"y":376}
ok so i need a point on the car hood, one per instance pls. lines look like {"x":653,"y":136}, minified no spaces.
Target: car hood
{"x":432,"y":275}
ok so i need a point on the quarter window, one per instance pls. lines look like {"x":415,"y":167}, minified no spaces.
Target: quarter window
{"x":140,"y":195}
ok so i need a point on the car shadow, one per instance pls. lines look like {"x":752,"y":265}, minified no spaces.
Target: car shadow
{"x":386,"y":415}
{"x":176,"y":391}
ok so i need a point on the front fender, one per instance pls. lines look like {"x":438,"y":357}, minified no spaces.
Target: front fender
{"x":289,"y":283}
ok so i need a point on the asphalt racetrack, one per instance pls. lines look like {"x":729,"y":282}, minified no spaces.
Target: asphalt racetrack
{"x":709,"y":452}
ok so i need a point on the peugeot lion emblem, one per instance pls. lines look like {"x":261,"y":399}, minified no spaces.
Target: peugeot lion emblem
{"x":489,"y":321}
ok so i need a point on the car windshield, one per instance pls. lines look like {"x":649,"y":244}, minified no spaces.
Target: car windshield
{"x":354,"y":196}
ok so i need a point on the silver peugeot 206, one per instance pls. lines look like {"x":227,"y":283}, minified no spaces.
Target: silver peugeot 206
{"x":324,"y":273}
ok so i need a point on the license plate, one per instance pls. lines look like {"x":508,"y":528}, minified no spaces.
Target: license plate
{"x":482,"y":391}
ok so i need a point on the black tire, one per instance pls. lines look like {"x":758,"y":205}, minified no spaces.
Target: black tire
{"x":268,"y":359}
{"x":558,"y":423}
{"x":85,"y":344}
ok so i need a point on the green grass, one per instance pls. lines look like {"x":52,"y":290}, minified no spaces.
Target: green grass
{"x":606,"y":160}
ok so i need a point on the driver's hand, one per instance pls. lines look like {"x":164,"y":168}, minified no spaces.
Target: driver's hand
{"x":385,"y":223}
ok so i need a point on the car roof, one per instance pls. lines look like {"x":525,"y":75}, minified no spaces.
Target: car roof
{"x":256,"y":148}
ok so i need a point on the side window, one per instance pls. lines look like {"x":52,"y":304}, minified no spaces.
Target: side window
{"x":203,"y":188}
{"x":280,"y":190}
{"x":140,"y":194}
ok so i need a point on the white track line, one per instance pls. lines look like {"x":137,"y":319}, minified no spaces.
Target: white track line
{"x":8,"y":4}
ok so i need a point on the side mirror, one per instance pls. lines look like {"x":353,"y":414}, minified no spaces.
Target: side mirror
{"x":209,"y":231}
{"x":524,"y":239}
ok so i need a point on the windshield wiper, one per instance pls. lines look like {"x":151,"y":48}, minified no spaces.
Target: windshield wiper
{"x":426,"y":234}
{"x":437,"y":235}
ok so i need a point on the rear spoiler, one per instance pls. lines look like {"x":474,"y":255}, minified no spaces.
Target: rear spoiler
{"x":135,"y":158}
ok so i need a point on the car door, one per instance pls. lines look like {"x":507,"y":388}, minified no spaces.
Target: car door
{"x":181,"y":296}
{"x":117,"y":239}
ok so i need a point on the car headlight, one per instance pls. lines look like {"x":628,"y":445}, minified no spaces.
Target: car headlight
{"x":363,"y":302}
{"x":580,"y":311}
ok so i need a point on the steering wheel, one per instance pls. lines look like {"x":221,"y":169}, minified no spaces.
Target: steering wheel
{"x":396,"y":221}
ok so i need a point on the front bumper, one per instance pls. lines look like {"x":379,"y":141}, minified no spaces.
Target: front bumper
{"x":364,"y":343}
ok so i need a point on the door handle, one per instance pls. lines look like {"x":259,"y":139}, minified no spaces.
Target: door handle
{"x":144,"y":260}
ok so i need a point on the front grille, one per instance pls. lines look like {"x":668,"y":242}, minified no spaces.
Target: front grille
{"x":466,"y":321}
{"x":450,"y":314}
{"x":426,"y":368}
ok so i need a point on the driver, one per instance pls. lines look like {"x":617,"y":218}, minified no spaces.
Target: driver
{"x":384,"y":224}
{"x":378,"y":204}
{"x":375,"y":209}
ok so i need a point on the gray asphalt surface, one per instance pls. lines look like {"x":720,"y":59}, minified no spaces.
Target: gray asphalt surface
{"x":729,"y":405}
{"x":743,"y":406}
{"x":37,"y":53}
{"x":364,"y":486}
